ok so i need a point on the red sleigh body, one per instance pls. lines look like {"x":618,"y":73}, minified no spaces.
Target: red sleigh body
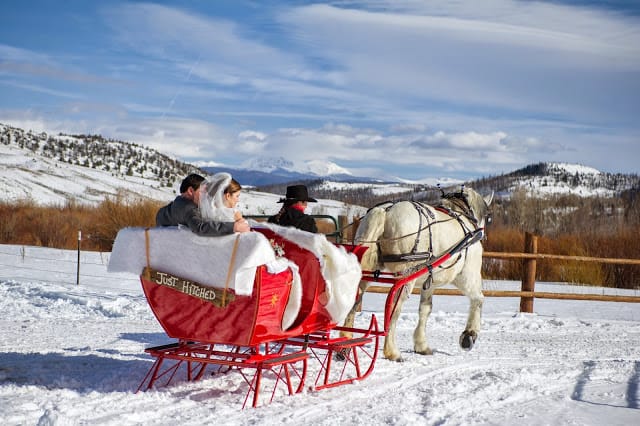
{"x":244,"y":333}
{"x":244,"y":320}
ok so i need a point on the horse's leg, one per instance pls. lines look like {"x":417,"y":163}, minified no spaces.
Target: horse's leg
{"x":420,"y":344}
{"x":390,"y":346}
{"x":348,"y":322}
{"x":473,"y":290}
{"x":350,"y":318}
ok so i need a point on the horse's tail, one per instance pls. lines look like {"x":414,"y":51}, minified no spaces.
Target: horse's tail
{"x":369,"y":231}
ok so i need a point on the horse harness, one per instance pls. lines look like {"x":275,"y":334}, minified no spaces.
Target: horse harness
{"x":471,"y":236}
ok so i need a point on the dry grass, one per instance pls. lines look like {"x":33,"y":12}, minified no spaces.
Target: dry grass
{"x":57,"y":226}
{"x":27,"y":223}
{"x":621,"y":245}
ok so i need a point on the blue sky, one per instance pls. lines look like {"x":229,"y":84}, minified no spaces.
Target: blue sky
{"x":413,"y":89}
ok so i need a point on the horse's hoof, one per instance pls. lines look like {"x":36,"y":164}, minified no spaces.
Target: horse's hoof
{"x":396,"y":358}
{"x":341,"y":355}
{"x":467,"y":340}
{"x":427,"y":351}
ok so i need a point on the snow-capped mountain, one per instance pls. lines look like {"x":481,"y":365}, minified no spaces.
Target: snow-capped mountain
{"x":268,"y":164}
{"x":545,"y":179}
{"x":313,"y":167}
{"x":265,"y":171}
{"x":326,"y":168}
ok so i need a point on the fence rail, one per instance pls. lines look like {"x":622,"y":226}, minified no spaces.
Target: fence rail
{"x":542,"y":256}
{"x":527,"y":294}
{"x":515,"y":293}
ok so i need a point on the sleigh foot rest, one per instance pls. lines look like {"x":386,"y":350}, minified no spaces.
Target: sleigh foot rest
{"x":343,"y":361}
{"x":278,"y":368}
{"x":288,"y":369}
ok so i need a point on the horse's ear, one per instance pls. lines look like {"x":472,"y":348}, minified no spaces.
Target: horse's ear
{"x":488,"y":199}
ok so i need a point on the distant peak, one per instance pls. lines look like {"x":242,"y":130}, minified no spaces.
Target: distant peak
{"x":325,"y":168}
{"x":574,"y":168}
{"x":268,"y":164}
{"x":314,"y":167}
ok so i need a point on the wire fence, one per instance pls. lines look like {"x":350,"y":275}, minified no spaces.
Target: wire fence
{"x":57,"y":266}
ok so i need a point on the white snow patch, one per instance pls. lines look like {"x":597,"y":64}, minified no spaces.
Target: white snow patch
{"x":74,"y":354}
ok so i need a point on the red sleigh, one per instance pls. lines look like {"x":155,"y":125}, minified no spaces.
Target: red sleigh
{"x":218,"y":331}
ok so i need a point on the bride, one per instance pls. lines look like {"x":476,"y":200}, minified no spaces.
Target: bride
{"x":219,"y":198}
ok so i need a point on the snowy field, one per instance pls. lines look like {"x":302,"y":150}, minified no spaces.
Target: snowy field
{"x":74,"y":355}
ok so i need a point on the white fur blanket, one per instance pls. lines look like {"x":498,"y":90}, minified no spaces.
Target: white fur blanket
{"x":205,"y":260}
{"x":340,"y":269}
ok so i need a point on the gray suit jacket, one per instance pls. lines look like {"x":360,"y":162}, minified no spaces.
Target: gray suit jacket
{"x":183,"y":211}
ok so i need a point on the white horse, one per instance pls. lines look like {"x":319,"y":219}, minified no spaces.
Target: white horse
{"x":406,"y":236}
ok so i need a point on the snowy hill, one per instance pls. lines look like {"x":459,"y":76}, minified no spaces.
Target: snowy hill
{"x":55,"y":168}
{"x":46,"y":181}
{"x":544,"y":179}
{"x":52,"y":170}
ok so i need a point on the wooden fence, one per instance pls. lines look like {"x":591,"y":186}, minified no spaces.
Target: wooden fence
{"x":527,"y":294}
{"x":531,"y":256}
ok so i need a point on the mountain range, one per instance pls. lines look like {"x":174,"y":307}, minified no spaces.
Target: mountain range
{"x":259,"y":175}
{"x":56,"y":168}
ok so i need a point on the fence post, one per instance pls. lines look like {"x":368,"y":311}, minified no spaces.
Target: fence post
{"x":529,"y":272}
{"x":78,"y":268}
{"x":343,"y":224}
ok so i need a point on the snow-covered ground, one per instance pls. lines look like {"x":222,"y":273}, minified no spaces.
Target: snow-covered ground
{"x":74,"y":354}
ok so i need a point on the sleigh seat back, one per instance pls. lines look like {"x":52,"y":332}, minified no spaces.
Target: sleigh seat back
{"x":190,"y":311}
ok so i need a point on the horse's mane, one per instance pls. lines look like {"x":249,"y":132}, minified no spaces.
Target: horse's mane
{"x":466,"y":201}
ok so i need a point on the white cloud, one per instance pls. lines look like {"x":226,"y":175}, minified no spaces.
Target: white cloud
{"x":495,"y":60}
{"x":252,"y":135}
{"x":375,"y":84}
{"x":227,"y":55}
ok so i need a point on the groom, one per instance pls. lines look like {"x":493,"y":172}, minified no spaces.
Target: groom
{"x":184,"y":210}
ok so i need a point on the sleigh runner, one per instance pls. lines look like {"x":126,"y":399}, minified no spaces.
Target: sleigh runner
{"x":272,"y":333}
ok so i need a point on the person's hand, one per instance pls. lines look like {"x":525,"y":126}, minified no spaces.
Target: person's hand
{"x":237,"y":215}
{"x":241,"y":226}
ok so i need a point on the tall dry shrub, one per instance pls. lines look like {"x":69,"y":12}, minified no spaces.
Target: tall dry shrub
{"x":52,"y":227}
{"x":25,"y":222}
{"x":621,"y":245}
{"x":122,"y":211}
{"x":9,"y":222}
{"x":503,"y":239}
{"x":570,"y":271}
{"x":21,"y":223}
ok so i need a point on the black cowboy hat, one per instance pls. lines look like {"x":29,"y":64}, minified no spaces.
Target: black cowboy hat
{"x":297,"y":193}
